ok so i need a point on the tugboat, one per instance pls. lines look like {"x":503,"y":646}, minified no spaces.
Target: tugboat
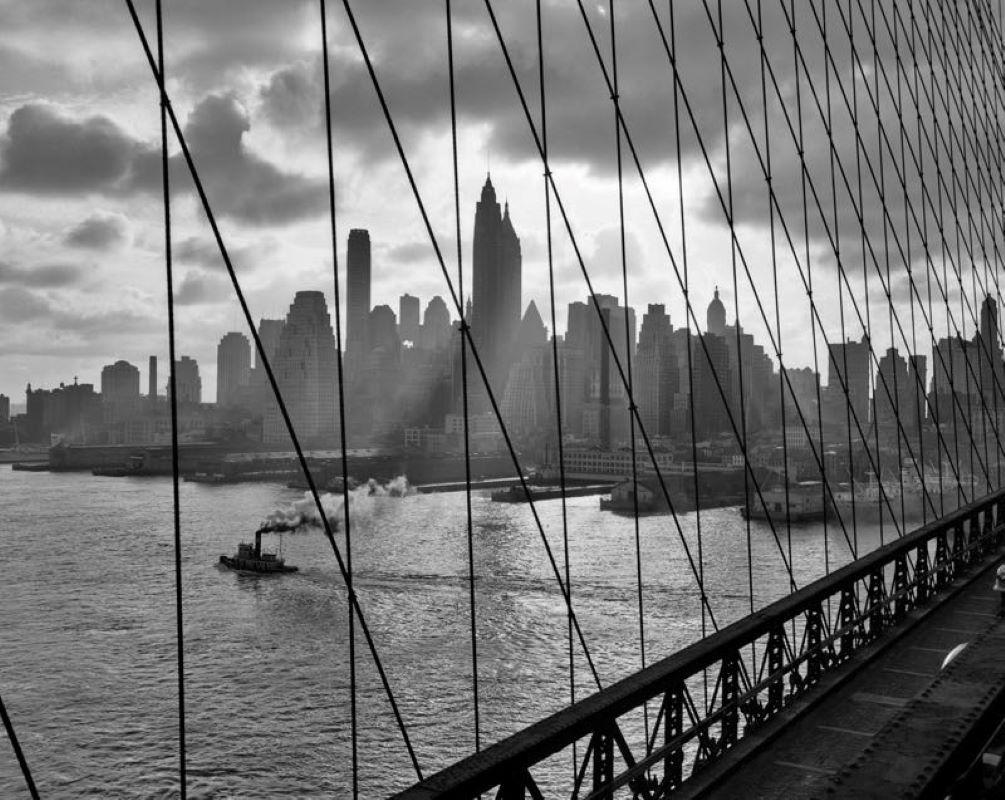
{"x":250,"y":558}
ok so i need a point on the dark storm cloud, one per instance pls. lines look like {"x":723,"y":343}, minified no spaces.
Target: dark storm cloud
{"x":45,"y":152}
{"x":43,"y":276}
{"x":409,"y":55}
{"x":98,"y":232}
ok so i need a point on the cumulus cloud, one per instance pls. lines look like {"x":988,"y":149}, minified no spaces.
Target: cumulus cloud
{"x":197,"y":288}
{"x":44,"y":151}
{"x":44,"y":276}
{"x":98,"y":232}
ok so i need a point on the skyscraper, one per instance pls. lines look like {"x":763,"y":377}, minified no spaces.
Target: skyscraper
{"x":436,"y":328}
{"x":655,"y":371}
{"x":304,"y":366}
{"x":408,"y":318}
{"x":233,"y":370}
{"x":152,"y":378}
{"x":496,"y":266}
{"x":4,"y":408}
{"x":188,"y":384}
{"x":357,"y":291}
{"x":120,"y":382}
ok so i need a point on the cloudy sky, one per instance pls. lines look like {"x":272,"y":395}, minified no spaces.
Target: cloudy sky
{"x":82,"y":280}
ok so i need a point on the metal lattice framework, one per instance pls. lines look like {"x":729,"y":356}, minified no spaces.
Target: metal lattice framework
{"x":800,"y":640}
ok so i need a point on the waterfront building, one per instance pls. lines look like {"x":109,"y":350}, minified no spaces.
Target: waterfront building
{"x":304,"y":367}
{"x":120,"y":382}
{"x":848,"y":370}
{"x":655,"y":372}
{"x":4,"y":408}
{"x":233,"y":370}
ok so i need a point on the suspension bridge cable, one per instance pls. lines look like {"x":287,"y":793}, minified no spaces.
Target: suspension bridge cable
{"x":330,"y":153}
{"x":312,"y":486}
{"x":22,"y":762}
{"x":673,"y":261}
{"x":629,"y":346}
{"x":556,"y":370}
{"x":719,"y":194}
{"x":464,"y":385}
{"x":173,"y":400}
{"x":744,"y":444}
{"x":466,"y":331}
{"x":885,"y":140}
{"x":690,"y":372}
{"x":604,"y":327}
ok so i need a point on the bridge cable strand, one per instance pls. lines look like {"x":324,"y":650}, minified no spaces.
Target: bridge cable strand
{"x":629,"y":346}
{"x":774,"y":81}
{"x":861,"y":149}
{"x":556,"y":371}
{"x":740,"y":360}
{"x":392,"y":128}
{"x":940,"y":184}
{"x":816,"y":98}
{"x":464,"y":386}
{"x":687,"y":343}
{"x":284,"y":412}
{"x":330,"y":155}
{"x":605,"y":329}
{"x":173,"y":400}
{"x":673,"y":262}
{"x":22,"y":762}
{"x":658,"y":219}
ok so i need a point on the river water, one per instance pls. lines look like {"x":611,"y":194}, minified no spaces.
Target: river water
{"x":88,"y":648}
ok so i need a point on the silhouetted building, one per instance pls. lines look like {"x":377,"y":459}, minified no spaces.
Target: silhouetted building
{"x":152,"y":378}
{"x":4,"y":408}
{"x":68,"y":413}
{"x":848,"y":371}
{"x":715,"y":316}
{"x":655,"y":371}
{"x":304,"y":367}
{"x":496,"y":267}
{"x":436,"y":329}
{"x":120,"y":382}
{"x":408,"y":318}
{"x":188,"y":384}
{"x":233,"y":370}
{"x":357,"y":291}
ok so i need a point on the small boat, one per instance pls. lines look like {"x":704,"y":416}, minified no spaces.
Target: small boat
{"x":250,"y":558}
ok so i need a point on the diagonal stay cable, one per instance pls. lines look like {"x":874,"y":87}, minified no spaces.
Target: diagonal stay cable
{"x":464,"y":390}
{"x":604,"y":327}
{"x":173,"y":401}
{"x":225,"y":255}
{"x":22,"y":762}
{"x":466,"y":330}
{"x":329,"y":152}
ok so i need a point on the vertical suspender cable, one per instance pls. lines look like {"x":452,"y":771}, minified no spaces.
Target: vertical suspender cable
{"x":629,"y":346}
{"x":721,"y":44}
{"x":283,"y":410}
{"x":173,"y":400}
{"x":556,"y":370}
{"x":689,"y":355}
{"x":464,"y":383}
{"x":353,"y":721}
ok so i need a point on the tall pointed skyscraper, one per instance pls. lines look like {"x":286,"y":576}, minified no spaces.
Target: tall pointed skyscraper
{"x":496,"y":265}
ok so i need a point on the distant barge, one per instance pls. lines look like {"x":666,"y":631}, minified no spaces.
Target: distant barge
{"x":516,"y":494}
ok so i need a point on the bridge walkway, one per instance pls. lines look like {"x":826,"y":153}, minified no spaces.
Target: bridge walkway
{"x":893,"y":723}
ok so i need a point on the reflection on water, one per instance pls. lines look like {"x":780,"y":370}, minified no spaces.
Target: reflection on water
{"x":87,"y":666}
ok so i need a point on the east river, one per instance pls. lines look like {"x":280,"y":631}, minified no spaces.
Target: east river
{"x":88,"y":648}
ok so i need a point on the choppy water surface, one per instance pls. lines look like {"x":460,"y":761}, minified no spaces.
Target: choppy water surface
{"x":88,"y":649}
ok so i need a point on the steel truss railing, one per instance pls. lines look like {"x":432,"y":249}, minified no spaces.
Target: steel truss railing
{"x":799,"y":639}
